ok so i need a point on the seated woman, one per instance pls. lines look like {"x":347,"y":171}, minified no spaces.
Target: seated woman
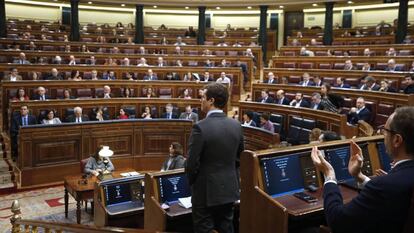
{"x":96,"y":164}
{"x":51,"y":119}
{"x":75,"y":76}
{"x":150,"y":93}
{"x":126,"y":93}
{"x":122,"y":114}
{"x":176,"y":159}
{"x":100,"y":116}
{"x":185,"y":94}
{"x":67,"y":94}
{"x":147,"y":113}
{"x":20,"y":95}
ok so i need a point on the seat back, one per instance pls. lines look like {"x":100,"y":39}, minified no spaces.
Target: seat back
{"x":130,"y":110}
{"x":409,"y":225}
{"x":83,"y":163}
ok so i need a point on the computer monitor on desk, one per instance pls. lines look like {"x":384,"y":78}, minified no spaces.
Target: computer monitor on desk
{"x":172,"y":187}
{"x":282,"y":175}
{"x":123,"y":194}
{"x":339,"y":158}
{"x":384,"y":158}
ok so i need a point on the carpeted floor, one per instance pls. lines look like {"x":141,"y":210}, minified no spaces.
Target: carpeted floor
{"x":41,"y":204}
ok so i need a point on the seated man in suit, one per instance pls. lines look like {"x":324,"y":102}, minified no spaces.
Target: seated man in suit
{"x":22,"y":60}
{"x":383,"y":204}
{"x":91,"y":61}
{"x":169,"y":114}
{"x":369,"y":84}
{"x":223,"y":79}
{"x":299,"y":101}
{"x":161,"y":62}
{"x":175,"y":159}
{"x":22,"y":119}
{"x":109,"y":76}
{"x":316,"y":102}
{"x":392,"y":66}
{"x":360,"y":112}
{"x":248,"y":119}
{"x":41,"y":94}
{"x":317,"y":81}
{"x":54,"y":75}
{"x":207,"y":77}
{"x":13,"y":76}
{"x":340,"y":82}
{"x":409,"y":82}
{"x":281,"y":99}
{"x":107,"y":92}
{"x":189,"y":114}
{"x":142,"y":62}
{"x":77,"y":116}
{"x":271,"y":78}
{"x":349,"y":65}
{"x":265,"y":98}
{"x":150,"y":76}
{"x":306,"y":80}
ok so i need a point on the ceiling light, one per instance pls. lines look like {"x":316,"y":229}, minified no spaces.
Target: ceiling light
{"x":315,"y":4}
{"x":187,"y":7}
{"x":122,"y":5}
{"x":350,"y":2}
{"x":155,"y":6}
{"x":249,"y":7}
{"x":281,"y":7}
{"x":218,"y":8}
{"x":89,"y":2}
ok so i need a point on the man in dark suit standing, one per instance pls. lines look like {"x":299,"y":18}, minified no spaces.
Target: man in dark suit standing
{"x":359,"y":113}
{"x":212,"y":165}
{"x":383,"y":204}
{"x":21,"y":119}
{"x":265,"y":98}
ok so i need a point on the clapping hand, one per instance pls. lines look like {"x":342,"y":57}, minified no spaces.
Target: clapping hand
{"x":355,"y":162}
{"x":321,"y":164}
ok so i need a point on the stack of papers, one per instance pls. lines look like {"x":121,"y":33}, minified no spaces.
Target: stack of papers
{"x":126,"y":174}
{"x":185,"y":202}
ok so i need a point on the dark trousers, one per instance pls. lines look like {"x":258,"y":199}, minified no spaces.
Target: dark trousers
{"x":219,"y":218}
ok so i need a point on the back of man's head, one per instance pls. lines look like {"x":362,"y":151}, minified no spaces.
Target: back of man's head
{"x":218,"y":92}
{"x":402,"y":124}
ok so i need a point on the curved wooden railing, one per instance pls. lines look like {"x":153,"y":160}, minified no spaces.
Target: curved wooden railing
{"x":24,"y":225}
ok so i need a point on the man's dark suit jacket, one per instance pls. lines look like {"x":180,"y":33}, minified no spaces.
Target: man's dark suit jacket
{"x":17,"y":122}
{"x":177,"y":163}
{"x":304,"y":104}
{"x":212,"y":166}
{"x":269,"y":100}
{"x":174,"y":115}
{"x":147,"y":77}
{"x":51,"y":77}
{"x":364,"y":115}
{"x":397,"y":68}
{"x":274,"y":81}
{"x":37,"y":97}
{"x":310,"y":83}
{"x":72,"y":118}
{"x":319,"y":107}
{"x":382,"y":205}
{"x":285,"y":101}
{"x":344,"y":86}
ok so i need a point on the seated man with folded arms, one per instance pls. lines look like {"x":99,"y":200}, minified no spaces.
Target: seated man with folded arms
{"x":384,"y":202}
{"x":360,"y":112}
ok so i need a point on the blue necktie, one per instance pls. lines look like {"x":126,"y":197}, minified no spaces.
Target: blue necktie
{"x":24,"y":121}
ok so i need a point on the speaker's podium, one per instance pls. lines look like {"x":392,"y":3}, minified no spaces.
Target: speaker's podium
{"x":275,"y":182}
{"x":119,"y":202}
{"x":163,"y":210}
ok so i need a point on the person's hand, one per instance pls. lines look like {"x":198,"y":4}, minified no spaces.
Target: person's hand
{"x":355,"y":162}
{"x":95,"y":173}
{"x":321,"y":164}
{"x":353,"y":109}
{"x":380,"y":172}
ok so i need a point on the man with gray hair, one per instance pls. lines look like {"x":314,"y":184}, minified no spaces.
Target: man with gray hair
{"x":316,"y":101}
{"x":169,"y":114}
{"x":360,"y":112}
{"x":107,"y":92}
{"x":77,"y":116}
{"x":41,"y":94}
{"x":391,"y":66}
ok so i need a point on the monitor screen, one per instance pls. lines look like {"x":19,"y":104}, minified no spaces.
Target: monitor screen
{"x":339,"y":158}
{"x":173,"y":187}
{"x":282,"y":175}
{"x":117,"y":193}
{"x":384,"y":158}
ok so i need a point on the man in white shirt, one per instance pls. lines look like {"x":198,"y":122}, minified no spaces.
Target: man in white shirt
{"x":13,"y":76}
{"x":72,"y":60}
{"x":160,"y":62}
{"x":299,"y":101}
{"x":179,"y":42}
{"x":223,"y":78}
{"x":142,"y":62}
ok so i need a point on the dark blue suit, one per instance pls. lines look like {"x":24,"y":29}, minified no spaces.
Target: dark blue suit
{"x":382,"y":205}
{"x":364,"y":115}
{"x":268,"y":100}
{"x":285,"y":101}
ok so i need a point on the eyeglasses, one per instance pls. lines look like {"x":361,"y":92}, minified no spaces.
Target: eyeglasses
{"x":382,"y":130}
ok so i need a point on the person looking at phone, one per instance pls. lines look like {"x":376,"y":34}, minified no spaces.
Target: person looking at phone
{"x":384,"y":202}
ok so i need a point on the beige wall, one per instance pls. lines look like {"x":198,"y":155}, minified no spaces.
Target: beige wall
{"x":49,"y":13}
{"x":220,"y":21}
{"x":318,"y":18}
{"x":171,"y":20}
{"x":101,"y":17}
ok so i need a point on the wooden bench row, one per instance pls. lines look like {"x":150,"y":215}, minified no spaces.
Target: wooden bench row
{"x":377,"y":63}
{"x":352,"y":50}
{"x":346,"y":40}
{"x":381,"y":104}
{"x":352,"y":77}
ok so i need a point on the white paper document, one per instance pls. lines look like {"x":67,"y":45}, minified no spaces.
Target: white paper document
{"x":185,"y":202}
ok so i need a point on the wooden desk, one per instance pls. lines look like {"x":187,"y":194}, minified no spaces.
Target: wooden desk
{"x":82,"y":191}
{"x":296,"y":207}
